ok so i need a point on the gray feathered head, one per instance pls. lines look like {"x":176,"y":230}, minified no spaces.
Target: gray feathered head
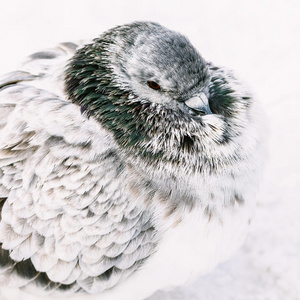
{"x":163,"y":103}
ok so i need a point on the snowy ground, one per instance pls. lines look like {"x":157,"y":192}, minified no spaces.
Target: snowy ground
{"x":260,"y":41}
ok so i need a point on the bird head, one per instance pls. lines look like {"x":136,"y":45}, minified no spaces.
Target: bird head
{"x":164,"y":104}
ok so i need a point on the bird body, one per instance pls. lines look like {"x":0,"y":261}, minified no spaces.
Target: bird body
{"x":127,"y":165}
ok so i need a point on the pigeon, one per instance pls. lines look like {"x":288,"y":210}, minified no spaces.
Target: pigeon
{"x":128,"y":164}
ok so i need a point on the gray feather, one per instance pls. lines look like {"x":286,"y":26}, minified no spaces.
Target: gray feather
{"x":104,"y":170}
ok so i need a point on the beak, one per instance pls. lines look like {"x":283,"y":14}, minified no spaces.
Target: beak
{"x":199,"y":104}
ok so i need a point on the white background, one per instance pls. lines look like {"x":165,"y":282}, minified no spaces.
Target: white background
{"x":259,"y":39}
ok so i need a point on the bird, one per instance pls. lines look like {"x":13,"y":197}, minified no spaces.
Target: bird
{"x":128,"y":164}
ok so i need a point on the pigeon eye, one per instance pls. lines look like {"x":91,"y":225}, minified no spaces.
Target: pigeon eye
{"x":153,"y":85}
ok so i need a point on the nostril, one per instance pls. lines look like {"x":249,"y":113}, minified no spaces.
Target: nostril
{"x":198,"y":105}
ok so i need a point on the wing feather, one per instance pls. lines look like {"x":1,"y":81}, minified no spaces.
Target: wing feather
{"x":66,"y":214}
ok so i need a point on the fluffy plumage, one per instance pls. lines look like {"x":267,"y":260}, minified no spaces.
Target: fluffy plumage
{"x":126,"y":166}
